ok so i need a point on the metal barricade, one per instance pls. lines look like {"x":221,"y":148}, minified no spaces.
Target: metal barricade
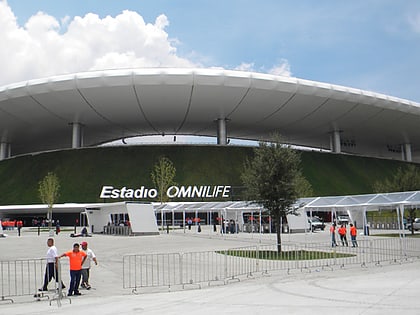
{"x":24,"y":277}
{"x":20,"y":277}
{"x":223,"y":266}
{"x":117,"y":230}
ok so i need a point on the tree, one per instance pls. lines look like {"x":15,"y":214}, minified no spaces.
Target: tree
{"x":48,"y":189}
{"x":405,"y":179}
{"x":273,"y":179}
{"x":163,"y":175}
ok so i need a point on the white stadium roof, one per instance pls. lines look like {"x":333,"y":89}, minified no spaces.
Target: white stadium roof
{"x":38,"y":115}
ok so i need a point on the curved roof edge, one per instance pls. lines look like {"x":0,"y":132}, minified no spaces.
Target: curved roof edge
{"x":208,"y":76}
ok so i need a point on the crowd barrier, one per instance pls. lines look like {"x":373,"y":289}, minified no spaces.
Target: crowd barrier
{"x":220,"y":267}
{"x":117,"y":230}
{"x":20,"y":278}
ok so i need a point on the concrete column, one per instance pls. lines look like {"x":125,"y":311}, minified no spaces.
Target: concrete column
{"x":406,"y":152}
{"x":4,"y":150}
{"x":221,"y":131}
{"x":335,"y":141}
{"x":77,"y":135}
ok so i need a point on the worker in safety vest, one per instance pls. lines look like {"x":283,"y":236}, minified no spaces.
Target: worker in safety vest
{"x":332,"y":232}
{"x":353,"y":234}
{"x":342,"y":231}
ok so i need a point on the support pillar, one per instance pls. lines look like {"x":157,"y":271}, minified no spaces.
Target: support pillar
{"x":406,"y":152}
{"x":335,"y":141}
{"x":221,"y":131}
{"x":77,"y":135}
{"x":4,"y":150}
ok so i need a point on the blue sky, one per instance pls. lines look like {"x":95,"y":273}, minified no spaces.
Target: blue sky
{"x":368,"y":44}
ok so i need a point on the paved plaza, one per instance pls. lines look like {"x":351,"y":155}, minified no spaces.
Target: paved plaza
{"x":384,"y":289}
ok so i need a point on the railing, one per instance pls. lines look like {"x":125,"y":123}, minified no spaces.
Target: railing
{"x":20,"y":278}
{"x":212,"y":267}
{"x":117,"y":230}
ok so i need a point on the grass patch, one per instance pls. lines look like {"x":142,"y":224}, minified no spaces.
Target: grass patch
{"x":284,"y":255}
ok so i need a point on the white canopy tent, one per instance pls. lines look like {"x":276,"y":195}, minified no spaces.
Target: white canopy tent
{"x":228,"y":210}
{"x":357,"y":205}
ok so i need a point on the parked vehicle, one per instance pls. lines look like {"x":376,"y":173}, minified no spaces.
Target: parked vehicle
{"x":343,"y":219}
{"x":316,"y":224}
{"x":414,"y":225}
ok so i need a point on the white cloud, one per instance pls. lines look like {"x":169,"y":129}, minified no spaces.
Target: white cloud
{"x":45,"y":46}
{"x":282,"y":69}
{"x":245,"y":67}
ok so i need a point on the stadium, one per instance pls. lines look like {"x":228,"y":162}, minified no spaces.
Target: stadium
{"x":86,"y":110}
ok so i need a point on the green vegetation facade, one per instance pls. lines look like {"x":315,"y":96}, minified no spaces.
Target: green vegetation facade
{"x":83,"y":172}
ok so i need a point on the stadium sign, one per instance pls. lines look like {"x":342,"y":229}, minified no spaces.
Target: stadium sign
{"x":111,"y":192}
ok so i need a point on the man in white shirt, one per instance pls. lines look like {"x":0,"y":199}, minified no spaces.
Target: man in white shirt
{"x":86,"y":265}
{"x":51,"y":269}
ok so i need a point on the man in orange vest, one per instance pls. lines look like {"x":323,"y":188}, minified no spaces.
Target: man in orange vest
{"x":342,"y":231}
{"x":353,"y":234}
{"x":332,"y":232}
{"x":77,"y":258}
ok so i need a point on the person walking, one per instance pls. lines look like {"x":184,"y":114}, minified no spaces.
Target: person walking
{"x":77,"y":258}
{"x":57,"y":227}
{"x":332,"y":232}
{"x":353,"y":234}
{"x":342,"y":231}
{"x":51,"y":268}
{"x":86,"y":265}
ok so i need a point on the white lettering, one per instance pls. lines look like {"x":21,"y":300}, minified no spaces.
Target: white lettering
{"x":169,"y":192}
{"x":106,"y":190}
{"x":185,"y":192}
{"x":153,"y":193}
{"x":138,"y":193}
{"x":197,"y":191}
{"x":172,"y":192}
{"x":226,"y":191}
{"x":115,"y":193}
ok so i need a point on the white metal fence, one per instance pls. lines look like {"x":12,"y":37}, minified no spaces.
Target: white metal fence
{"x":20,"y":278}
{"x":212,"y":267}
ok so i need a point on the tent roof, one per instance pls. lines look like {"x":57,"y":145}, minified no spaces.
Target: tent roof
{"x":367,"y":201}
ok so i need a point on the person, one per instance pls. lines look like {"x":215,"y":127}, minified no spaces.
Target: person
{"x":51,"y":268}
{"x":332,"y":232}
{"x":84,"y":231}
{"x":57,"y":227}
{"x":19,"y":226}
{"x":77,"y":258}
{"x":342,"y":231}
{"x":353,"y":234}
{"x":86,"y":265}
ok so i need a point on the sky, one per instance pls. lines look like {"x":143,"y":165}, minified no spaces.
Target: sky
{"x":367,"y":44}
